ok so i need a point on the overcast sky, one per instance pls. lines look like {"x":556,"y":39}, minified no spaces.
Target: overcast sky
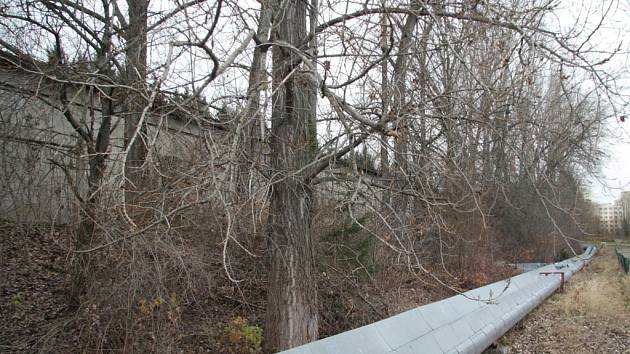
{"x":615,"y":172}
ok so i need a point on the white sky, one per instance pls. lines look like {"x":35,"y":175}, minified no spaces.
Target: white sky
{"x":613,"y":33}
{"x":614,"y":175}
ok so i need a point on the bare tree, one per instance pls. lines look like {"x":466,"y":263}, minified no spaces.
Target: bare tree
{"x":434,"y":120}
{"x":135,"y":35}
{"x":292,"y":295}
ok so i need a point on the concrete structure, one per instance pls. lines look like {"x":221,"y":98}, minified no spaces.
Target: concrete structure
{"x":624,"y":201}
{"x":615,"y":217}
{"x":44,"y":162}
{"x":610,"y":217}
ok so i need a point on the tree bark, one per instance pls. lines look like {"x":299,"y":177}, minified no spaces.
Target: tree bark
{"x":136,"y":72}
{"x":97,"y":152}
{"x":251,"y":125}
{"x":85,"y":234}
{"x":385,"y":95}
{"x":400,"y":112}
{"x":292,"y":317}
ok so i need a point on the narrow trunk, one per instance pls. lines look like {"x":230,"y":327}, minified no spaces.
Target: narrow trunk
{"x":136,"y":37}
{"x":97,"y":152}
{"x":97,"y":167}
{"x":251,"y":123}
{"x":85,"y":234}
{"x":292,"y":317}
{"x":384,"y":44}
{"x":400,"y":111}
{"x":419,"y":152}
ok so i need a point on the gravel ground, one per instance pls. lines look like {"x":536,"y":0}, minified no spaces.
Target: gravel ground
{"x":591,"y":316}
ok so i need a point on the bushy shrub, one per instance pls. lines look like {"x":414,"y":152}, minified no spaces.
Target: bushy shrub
{"x":242,"y":337}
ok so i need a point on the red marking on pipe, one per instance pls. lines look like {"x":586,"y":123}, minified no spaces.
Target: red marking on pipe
{"x":561,"y":278}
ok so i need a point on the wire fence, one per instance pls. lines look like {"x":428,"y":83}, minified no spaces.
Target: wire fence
{"x":624,"y":260}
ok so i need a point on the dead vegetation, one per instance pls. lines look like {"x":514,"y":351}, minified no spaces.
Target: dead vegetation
{"x":208,"y":188}
{"x":601,"y":292}
{"x":166,"y":292}
{"x":592,"y":316}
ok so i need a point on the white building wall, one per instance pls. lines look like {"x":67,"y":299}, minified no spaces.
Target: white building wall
{"x":36,"y":139}
{"x":610,"y":215}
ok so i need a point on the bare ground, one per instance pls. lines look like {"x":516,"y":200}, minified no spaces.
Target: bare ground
{"x":591,"y":316}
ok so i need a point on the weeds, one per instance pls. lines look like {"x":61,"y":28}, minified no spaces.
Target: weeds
{"x":604,"y":292}
{"x":241,"y":337}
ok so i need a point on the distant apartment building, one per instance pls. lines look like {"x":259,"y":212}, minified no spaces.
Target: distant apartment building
{"x":624,"y":202}
{"x":612,"y":216}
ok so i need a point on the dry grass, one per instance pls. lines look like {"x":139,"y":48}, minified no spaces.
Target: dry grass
{"x":591,"y":316}
{"x":602,"y":291}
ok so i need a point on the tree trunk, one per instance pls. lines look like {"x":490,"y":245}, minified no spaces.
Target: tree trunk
{"x":97,"y":152}
{"x":401,"y":113}
{"x":292,"y":317}
{"x":136,"y":70}
{"x":251,"y":125}
{"x":385,"y":95}
{"x":85,"y":234}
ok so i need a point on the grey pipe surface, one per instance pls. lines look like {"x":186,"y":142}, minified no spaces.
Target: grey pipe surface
{"x":463,"y":324}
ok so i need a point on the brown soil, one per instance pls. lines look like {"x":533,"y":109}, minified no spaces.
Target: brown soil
{"x":591,"y":316}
